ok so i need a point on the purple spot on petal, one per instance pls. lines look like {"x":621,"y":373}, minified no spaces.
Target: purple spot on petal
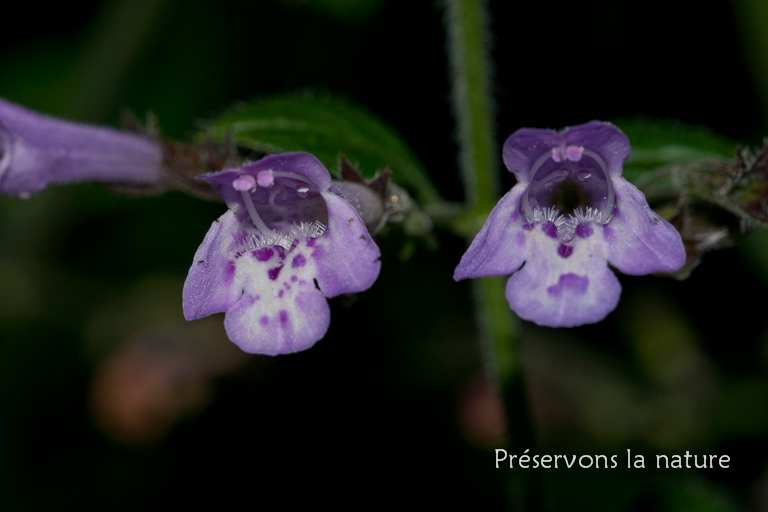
{"x":312,"y":242}
{"x":283,"y":316}
{"x":264,"y":320}
{"x":576,"y":285}
{"x":607,"y":233}
{"x":565,"y":250}
{"x":263,"y":254}
{"x":299,"y":261}
{"x":302,"y":282}
{"x":274,"y":272}
{"x":294,"y":279}
{"x":528,"y":227}
{"x":286,"y":285}
{"x":583,"y":230}
{"x":515,"y":215}
{"x":229,"y":272}
{"x":550,"y":229}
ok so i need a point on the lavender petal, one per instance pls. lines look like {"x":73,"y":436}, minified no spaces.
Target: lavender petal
{"x":210,"y":286}
{"x":37,"y":151}
{"x":638,"y":241}
{"x":347,"y":258}
{"x":500,"y":246}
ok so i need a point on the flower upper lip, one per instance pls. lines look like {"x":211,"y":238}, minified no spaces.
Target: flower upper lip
{"x":526,"y":145}
{"x":577,"y":168}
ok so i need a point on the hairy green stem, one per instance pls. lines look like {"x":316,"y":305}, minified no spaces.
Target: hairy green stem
{"x":468,"y":49}
{"x":468,"y":52}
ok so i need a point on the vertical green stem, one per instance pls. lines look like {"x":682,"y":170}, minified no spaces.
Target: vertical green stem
{"x":468,"y":50}
{"x":472,"y":101}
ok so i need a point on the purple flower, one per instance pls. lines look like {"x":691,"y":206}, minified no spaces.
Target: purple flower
{"x":570,"y":214}
{"x":286,"y":243}
{"x":36,"y":151}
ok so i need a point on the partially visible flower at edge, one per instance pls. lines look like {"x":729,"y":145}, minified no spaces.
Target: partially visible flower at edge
{"x":569,"y":215}
{"x":287,"y":242}
{"x":38,"y":150}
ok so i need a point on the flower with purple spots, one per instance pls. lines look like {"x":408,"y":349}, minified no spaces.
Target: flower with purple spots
{"x":287,"y":242}
{"x":570,"y":214}
{"x":37,"y":150}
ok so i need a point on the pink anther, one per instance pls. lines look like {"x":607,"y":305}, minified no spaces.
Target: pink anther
{"x":244,"y":183}
{"x":265,"y":179}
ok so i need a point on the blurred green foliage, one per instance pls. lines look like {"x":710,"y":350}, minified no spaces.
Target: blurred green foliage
{"x":658,"y":144}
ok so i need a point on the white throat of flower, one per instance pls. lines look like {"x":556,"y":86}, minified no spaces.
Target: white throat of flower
{"x":266,"y":236}
{"x":567,"y":223}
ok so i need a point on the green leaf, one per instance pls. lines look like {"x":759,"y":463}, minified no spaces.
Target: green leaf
{"x":658,"y":144}
{"x":325,"y":127}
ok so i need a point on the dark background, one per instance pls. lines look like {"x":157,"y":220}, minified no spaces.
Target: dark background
{"x":109,"y":400}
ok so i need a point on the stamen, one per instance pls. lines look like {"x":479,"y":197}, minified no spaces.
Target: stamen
{"x":257,"y":222}
{"x":556,"y":176}
{"x":272,"y":196}
{"x":296,"y":177}
{"x":265,"y":178}
{"x":610,"y":199}
{"x":244,"y":183}
{"x":302,"y":191}
{"x":573,"y":153}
